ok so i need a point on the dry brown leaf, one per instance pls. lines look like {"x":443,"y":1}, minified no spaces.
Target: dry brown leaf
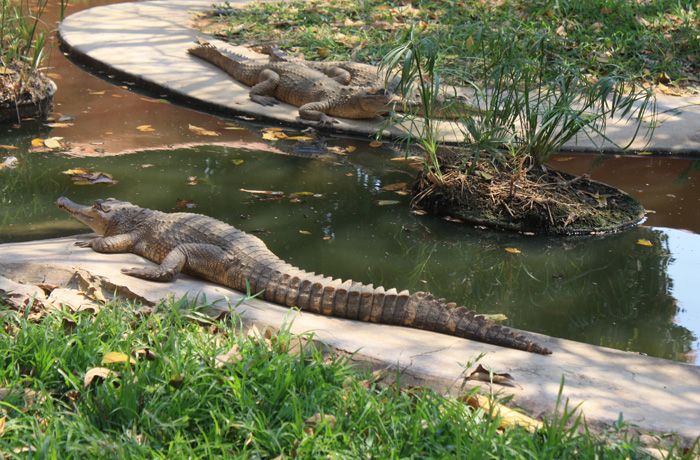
{"x":202,"y":132}
{"x":485,"y":375}
{"x":509,"y":417}
{"x":230,"y":357}
{"x":323,"y":52}
{"x":116,"y":357}
{"x":145,"y":128}
{"x":146,"y":353}
{"x":375,"y":144}
{"x":97,"y":373}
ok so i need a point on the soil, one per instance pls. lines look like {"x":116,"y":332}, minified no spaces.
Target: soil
{"x":24,"y":94}
{"x":537,"y":200}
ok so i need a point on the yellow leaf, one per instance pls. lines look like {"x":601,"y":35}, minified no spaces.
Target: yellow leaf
{"x":298,"y":194}
{"x":36,"y":142}
{"x":117,"y":357}
{"x":645,"y":243}
{"x":375,"y":144}
{"x":262,"y":192}
{"x":237,"y":161}
{"x":145,"y":128}
{"x":495,"y":316}
{"x":509,"y":417}
{"x":645,"y":153}
{"x":52,"y":142}
{"x":299,"y":138}
{"x":202,"y":132}
{"x":512,"y":250}
{"x":6,"y":71}
{"x":97,"y":373}
{"x":59,"y":125}
{"x":323,"y":52}
{"x":273,"y":135}
{"x":305,"y":232}
{"x":350,"y":148}
{"x":76,"y":171}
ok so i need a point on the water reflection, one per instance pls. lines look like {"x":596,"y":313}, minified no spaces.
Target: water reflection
{"x":609,"y":291}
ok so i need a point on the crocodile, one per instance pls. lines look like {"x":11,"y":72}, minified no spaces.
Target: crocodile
{"x":318,"y":96}
{"x":367,"y":75}
{"x":204,"y":247}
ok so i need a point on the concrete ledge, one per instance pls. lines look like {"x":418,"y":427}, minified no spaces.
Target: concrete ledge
{"x":655,"y":394}
{"x":147,"y":42}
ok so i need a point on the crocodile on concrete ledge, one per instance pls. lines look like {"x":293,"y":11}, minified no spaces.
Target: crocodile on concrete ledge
{"x":210,"y":249}
{"x":318,"y":96}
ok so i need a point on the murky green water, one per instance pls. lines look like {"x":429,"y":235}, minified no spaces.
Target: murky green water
{"x":607,"y":291}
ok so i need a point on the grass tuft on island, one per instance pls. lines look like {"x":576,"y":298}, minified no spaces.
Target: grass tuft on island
{"x":167,"y":382}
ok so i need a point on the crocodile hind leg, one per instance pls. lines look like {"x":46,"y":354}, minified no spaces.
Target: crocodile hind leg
{"x":202,"y":260}
{"x":110,"y":244}
{"x":263,"y":90}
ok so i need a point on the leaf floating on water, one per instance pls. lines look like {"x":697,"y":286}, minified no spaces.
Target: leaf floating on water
{"x":147,"y":165}
{"x":97,"y":374}
{"x":327,"y":238}
{"x":76,"y":171}
{"x":185,"y":204}
{"x":419,"y":212}
{"x":485,"y":375}
{"x":116,"y":357}
{"x":374,"y":144}
{"x":273,"y":135}
{"x":145,"y":128}
{"x":263,"y":192}
{"x":36,"y":142}
{"x":299,"y":138}
{"x":305,"y":232}
{"x":202,"y":132}
{"x":192,"y":180}
{"x":495,"y":316}
{"x":395,"y":187}
{"x":237,"y":161}
{"x":645,"y":243}
{"x":232,"y":127}
{"x":453,"y":219}
{"x":300,"y":194}
{"x":53,"y":142}
{"x":387,"y":202}
{"x":59,"y":125}
{"x":7,"y":147}
{"x":645,"y":153}
{"x":512,"y":250}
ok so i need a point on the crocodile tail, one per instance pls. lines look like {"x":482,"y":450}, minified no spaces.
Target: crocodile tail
{"x":352,"y":300}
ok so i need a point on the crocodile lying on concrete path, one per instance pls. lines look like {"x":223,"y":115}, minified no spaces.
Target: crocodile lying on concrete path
{"x":316,"y":95}
{"x":450,"y":104}
{"x":210,"y":249}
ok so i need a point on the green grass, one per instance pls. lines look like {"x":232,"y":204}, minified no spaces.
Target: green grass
{"x":179,"y":404}
{"x":651,"y":40}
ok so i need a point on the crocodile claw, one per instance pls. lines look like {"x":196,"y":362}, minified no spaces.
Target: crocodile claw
{"x":266,"y":101}
{"x":327,"y":121}
{"x":83,"y":244}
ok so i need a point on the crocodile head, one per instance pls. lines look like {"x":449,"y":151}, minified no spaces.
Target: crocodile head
{"x":376,"y":100}
{"x":104,"y":217}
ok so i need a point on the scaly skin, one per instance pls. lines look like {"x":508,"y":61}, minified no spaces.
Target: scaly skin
{"x":207,"y":248}
{"x":317,"y":96}
{"x":360,"y":74}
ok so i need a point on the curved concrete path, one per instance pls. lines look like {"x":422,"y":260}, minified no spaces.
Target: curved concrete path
{"x":653,"y":394}
{"x":147,"y":42}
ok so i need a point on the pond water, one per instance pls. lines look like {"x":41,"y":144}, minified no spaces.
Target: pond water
{"x":605,"y":290}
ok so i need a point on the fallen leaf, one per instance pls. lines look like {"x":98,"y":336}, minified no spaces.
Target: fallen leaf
{"x":9,"y":163}
{"x":6,"y":71}
{"x":495,"y":316}
{"x":147,"y":165}
{"x":375,"y":144}
{"x":202,"y":132}
{"x":184,"y":204}
{"x":262,"y":192}
{"x":455,"y":220}
{"x":327,"y":237}
{"x":387,"y":202}
{"x":233,"y":127}
{"x":485,"y":375}
{"x":192,"y":180}
{"x":116,"y":357}
{"x":230,"y":357}
{"x":305,"y":232}
{"x":76,"y":171}
{"x":36,"y":142}
{"x":645,"y":153}
{"x":97,"y":373}
{"x":58,"y":125}
{"x":301,"y":194}
{"x":509,"y":417}
{"x":145,"y":128}
{"x":95,"y":93}
{"x":323,"y":52}
{"x":299,"y":138}
{"x":146,"y":353}
{"x":512,"y":250}
{"x":395,"y":186}
{"x":668,"y":90}
{"x":2,"y":425}
{"x":563,"y":158}
{"x":273,"y":135}
{"x":419,"y":212}
{"x":645,"y":243}
{"x":7,"y":147}
{"x":237,"y":161}
{"x":53,"y":142}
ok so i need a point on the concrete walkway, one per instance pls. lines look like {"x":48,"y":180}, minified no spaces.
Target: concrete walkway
{"x":147,"y":42}
{"x":654,"y":394}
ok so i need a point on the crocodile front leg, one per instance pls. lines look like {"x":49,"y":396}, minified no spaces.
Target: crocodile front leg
{"x":203,"y":260}
{"x":110,"y":244}
{"x":316,"y":111}
{"x":267,"y":84}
